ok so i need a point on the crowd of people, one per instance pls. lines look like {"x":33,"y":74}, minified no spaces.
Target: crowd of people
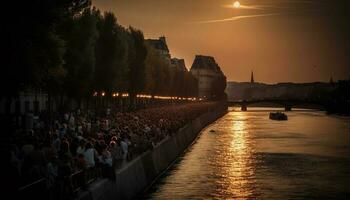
{"x":82,"y":141}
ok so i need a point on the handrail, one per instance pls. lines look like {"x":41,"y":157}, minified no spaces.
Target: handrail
{"x":76,"y":173}
{"x":31,"y":184}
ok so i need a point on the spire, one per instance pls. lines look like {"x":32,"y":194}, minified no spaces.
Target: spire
{"x":331,"y":80}
{"x":252,"y":77}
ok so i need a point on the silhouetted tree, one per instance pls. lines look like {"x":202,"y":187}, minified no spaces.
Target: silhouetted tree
{"x":164,"y":79}
{"x":111,"y":54}
{"x":80,"y":34}
{"x":218,"y":87}
{"x":65,"y":47}
{"x":152,"y":62}
{"x":136,"y":61}
{"x":339,"y":101}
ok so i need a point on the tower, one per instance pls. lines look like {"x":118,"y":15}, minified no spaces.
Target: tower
{"x":252,"y":78}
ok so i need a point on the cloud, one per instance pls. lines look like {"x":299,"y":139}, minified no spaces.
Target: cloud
{"x":283,"y":7}
{"x":236,"y":18}
{"x":252,"y":7}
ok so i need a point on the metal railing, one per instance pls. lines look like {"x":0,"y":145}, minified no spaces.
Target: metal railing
{"x":63,"y":188}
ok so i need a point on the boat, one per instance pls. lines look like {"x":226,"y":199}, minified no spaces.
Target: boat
{"x":278,"y":116}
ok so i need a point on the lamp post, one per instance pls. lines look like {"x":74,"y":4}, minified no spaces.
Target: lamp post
{"x":102,"y":97}
{"x":95,"y":94}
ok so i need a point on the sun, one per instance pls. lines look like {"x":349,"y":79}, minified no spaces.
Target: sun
{"x":236,"y":4}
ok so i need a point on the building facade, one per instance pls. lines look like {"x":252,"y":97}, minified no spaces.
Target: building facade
{"x":161,"y":47}
{"x":179,"y":64}
{"x":206,"y":71}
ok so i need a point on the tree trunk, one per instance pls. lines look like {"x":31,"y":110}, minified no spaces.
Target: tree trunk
{"x":49,"y":100}
{"x":79,"y":102}
{"x":88,"y":103}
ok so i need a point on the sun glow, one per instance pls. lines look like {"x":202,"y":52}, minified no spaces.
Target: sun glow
{"x":236,"y":4}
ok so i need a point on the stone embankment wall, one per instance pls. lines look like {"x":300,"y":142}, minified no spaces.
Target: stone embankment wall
{"x":136,"y":175}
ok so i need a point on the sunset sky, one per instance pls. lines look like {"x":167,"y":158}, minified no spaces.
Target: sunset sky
{"x":280,"y":40}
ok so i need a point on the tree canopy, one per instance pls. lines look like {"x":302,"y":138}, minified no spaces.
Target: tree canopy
{"x":70,"y":48}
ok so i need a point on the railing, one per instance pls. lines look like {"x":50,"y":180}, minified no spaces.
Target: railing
{"x":63,"y":188}
{"x":37,"y":189}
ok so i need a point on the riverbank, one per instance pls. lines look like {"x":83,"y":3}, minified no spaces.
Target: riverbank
{"x":339,"y":108}
{"x":136,"y":175}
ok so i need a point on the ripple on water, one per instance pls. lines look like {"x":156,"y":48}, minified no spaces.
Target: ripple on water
{"x":250,"y":157}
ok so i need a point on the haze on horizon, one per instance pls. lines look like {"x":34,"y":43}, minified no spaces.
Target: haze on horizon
{"x":280,"y":40}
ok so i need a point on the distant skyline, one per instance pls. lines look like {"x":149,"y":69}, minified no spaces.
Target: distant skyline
{"x":280,"y":40}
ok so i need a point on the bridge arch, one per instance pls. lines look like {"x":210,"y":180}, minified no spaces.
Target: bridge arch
{"x":287,"y":104}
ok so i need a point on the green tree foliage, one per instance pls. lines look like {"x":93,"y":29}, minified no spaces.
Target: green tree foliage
{"x":339,"y":98}
{"x":136,"y":61}
{"x":177,"y":81}
{"x":218,"y":87}
{"x":80,"y":33}
{"x":152,"y":61}
{"x":157,"y":73}
{"x":162,"y":78}
{"x":33,"y":49}
{"x":122,"y":81}
{"x":67,"y":47}
{"x":191,"y":85}
{"x":111,"y":54}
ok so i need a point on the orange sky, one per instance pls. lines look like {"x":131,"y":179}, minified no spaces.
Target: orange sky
{"x":281,"y":40}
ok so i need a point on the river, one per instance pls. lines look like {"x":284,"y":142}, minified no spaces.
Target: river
{"x":245,"y":155}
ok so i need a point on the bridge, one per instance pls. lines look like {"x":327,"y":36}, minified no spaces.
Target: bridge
{"x":288,"y":104}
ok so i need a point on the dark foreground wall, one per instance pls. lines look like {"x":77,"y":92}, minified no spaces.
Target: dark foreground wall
{"x":135,"y":176}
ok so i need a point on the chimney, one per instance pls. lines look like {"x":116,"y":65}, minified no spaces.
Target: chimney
{"x":162,"y":38}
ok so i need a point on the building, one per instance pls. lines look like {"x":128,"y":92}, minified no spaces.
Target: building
{"x":205,"y":70}
{"x":161,"y":47}
{"x":238,"y":91}
{"x":179,"y":64}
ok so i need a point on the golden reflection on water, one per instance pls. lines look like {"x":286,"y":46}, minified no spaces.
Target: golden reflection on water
{"x":241,"y":167}
{"x":244,"y":155}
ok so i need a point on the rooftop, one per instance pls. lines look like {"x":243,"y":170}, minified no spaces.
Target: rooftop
{"x":205,"y":62}
{"x":159,"y":44}
{"x":179,"y":63}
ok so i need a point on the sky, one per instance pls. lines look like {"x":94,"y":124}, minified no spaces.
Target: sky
{"x":280,"y":40}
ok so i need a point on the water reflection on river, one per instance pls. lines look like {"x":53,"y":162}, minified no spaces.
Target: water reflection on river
{"x":249,"y":156}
